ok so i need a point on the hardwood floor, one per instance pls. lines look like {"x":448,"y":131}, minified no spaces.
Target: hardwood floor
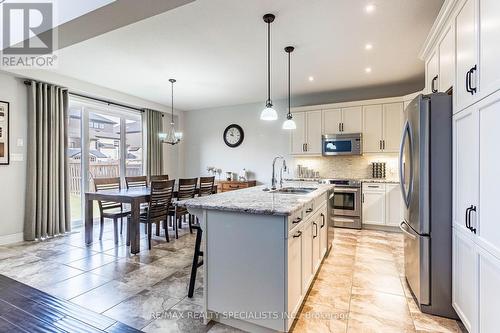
{"x":26,"y":309}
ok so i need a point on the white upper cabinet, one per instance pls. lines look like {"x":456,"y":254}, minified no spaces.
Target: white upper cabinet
{"x":382,"y":127}
{"x":447,"y":61}
{"x":372,"y":128}
{"x":352,"y":119}
{"x":465,"y":164}
{"x":298,"y":136}
{"x":306,"y":138}
{"x":488,"y":225}
{"x":466,"y":50}
{"x":345,"y":120}
{"x":393,"y":127}
{"x":313,"y":133}
{"x":432,"y":71}
{"x":489,"y":34}
{"x":332,"y":121}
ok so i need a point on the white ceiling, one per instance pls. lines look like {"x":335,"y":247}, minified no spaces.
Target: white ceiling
{"x":216,"y":49}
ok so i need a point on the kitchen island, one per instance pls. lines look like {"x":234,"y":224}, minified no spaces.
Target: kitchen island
{"x":262,"y":250}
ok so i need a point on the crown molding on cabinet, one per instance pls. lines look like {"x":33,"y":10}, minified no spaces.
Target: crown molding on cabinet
{"x":386,"y":100}
{"x":446,"y":14}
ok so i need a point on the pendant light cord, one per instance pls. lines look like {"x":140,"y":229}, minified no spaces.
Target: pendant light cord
{"x":268,"y":63}
{"x":289,"y":98}
{"x":172,"y":111}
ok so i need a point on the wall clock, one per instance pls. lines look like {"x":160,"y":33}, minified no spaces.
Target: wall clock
{"x":233,"y":135}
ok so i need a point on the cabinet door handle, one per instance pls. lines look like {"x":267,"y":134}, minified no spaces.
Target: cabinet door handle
{"x":297,"y":220}
{"x":340,"y":127}
{"x":433,"y":89}
{"x":323,"y":218}
{"x":299,"y":233}
{"x":467,"y":217}
{"x":380,"y":144}
{"x":473,"y":90}
{"x":471,"y":209}
{"x":467,"y":82}
{"x":363,"y":200}
{"x":383,"y":144}
{"x":316,"y":229}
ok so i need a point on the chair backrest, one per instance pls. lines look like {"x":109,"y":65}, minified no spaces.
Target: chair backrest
{"x":161,"y":198}
{"x":103,"y":184}
{"x":136,"y":181}
{"x":187,"y":188}
{"x":158,"y":178}
{"x":206,"y":186}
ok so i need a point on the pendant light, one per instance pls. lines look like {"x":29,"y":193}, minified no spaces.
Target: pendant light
{"x":269,"y":113}
{"x":171,"y":137}
{"x":289,"y":124}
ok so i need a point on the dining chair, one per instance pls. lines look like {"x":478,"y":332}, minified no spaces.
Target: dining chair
{"x":109,"y":209}
{"x":158,"y":178}
{"x":136,"y":181}
{"x":206,"y":186}
{"x":187,"y":190}
{"x":159,"y":204}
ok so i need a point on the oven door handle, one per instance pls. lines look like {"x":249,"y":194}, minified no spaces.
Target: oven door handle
{"x":351,"y":190}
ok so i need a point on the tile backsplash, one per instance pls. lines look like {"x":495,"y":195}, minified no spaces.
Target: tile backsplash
{"x":355,"y":167}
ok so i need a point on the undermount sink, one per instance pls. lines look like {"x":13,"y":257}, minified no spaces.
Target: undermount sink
{"x":294,"y":190}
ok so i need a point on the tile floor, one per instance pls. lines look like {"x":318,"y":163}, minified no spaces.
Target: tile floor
{"x":360,"y":287}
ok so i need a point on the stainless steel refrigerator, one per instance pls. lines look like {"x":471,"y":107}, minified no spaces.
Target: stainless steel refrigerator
{"x":426,"y":184}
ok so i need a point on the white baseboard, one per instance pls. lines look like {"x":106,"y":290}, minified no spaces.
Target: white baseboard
{"x":9,"y":239}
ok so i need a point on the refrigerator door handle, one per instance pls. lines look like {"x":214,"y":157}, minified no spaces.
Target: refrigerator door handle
{"x":402,"y":177}
{"x":404,"y":228}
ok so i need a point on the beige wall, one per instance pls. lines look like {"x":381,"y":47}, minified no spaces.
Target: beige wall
{"x":13,"y":176}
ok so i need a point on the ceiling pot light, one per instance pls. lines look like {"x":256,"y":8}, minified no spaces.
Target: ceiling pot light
{"x":370,"y":8}
{"x":368,"y":47}
{"x":172,"y":137}
{"x":269,"y":113}
{"x":368,"y":70}
{"x":289,"y":124}
{"x":311,"y":78}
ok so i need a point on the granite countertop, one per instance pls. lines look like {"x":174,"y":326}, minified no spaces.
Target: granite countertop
{"x":256,"y":201}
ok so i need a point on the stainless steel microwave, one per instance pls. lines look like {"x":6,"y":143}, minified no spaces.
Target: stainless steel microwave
{"x":342,"y":144}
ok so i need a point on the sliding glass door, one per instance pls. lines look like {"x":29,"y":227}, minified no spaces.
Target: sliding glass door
{"x":99,"y":148}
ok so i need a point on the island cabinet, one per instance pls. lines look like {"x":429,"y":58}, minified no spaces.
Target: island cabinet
{"x":259,"y":262}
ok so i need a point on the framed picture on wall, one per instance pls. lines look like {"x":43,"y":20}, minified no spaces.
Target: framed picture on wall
{"x":4,"y":133}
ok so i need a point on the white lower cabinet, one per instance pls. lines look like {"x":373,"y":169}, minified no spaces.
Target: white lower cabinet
{"x":294,"y":272}
{"x":316,"y":260}
{"x":464,"y":281}
{"x":373,"y":202}
{"x":382,"y":204}
{"x":307,"y":264}
{"x":489,"y":291}
{"x":323,"y":233}
{"x":307,"y":245}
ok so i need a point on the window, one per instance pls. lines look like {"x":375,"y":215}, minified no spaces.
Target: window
{"x":109,"y":152}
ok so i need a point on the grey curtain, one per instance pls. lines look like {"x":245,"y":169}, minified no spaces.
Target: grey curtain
{"x":154,"y":151}
{"x":47,"y":197}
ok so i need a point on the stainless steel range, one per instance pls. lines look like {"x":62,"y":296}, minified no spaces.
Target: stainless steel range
{"x":346,"y":203}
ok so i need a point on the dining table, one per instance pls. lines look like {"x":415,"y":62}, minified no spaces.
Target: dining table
{"x":133,"y":197}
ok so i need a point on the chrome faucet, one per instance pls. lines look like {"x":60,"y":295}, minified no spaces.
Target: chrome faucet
{"x":283,"y":167}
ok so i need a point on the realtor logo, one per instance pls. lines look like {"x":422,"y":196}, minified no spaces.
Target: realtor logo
{"x":27,"y":34}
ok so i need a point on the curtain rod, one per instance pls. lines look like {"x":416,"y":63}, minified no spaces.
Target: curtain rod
{"x":28,"y":83}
